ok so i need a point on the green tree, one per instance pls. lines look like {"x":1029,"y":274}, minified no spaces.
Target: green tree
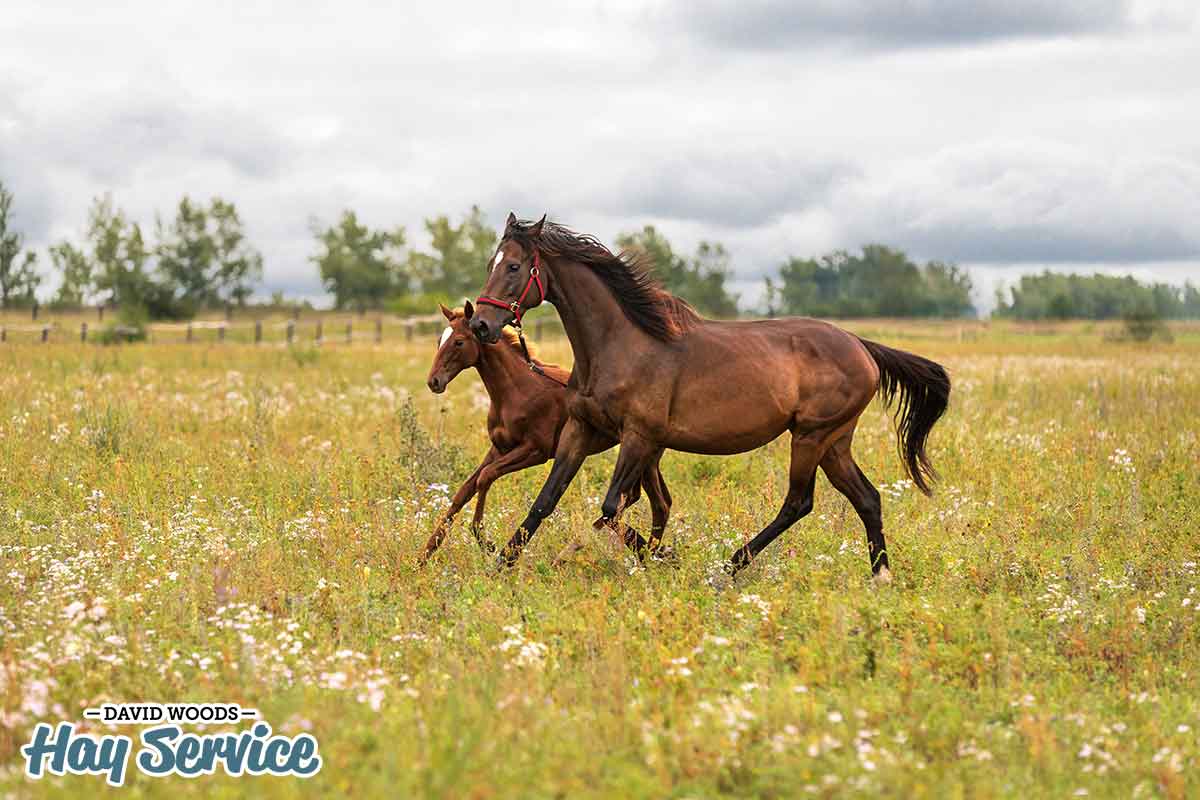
{"x":700,"y":279}
{"x":1054,"y":295}
{"x":879,"y":281}
{"x":360,"y":267}
{"x":119,"y":256}
{"x":458,"y":255}
{"x":75,"y":269}
{"x":19,"y":277}
{"x":204,"y":257}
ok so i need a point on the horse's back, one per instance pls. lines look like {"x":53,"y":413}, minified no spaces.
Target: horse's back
{"x":740,"y":384}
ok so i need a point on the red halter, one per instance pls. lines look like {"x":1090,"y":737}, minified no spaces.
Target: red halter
{"x":535,"y":278}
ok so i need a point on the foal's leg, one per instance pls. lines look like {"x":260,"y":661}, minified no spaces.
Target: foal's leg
{"x":806,"y":454}
{"x":460,"y":499}
{"x":576,"y":441}
{"x":847,"y":478}
{"x":521,"y":457}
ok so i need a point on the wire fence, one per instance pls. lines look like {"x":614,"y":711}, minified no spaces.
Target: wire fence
{"x":318,"y":330}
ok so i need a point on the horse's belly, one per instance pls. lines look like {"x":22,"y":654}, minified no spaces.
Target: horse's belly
{"x":726,"y":444}
{"x":722,"y":421}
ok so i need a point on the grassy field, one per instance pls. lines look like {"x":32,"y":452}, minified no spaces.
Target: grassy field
{"x":239,"y":523}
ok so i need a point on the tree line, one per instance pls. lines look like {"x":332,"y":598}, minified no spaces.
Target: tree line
{"x":1052,"y":295}
{"x":201,"y":259}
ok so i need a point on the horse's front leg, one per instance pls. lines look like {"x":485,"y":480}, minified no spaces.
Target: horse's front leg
{"x":574,"y":444}
{"x":460,"y":499}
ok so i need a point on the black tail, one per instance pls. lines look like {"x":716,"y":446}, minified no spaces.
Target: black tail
{"x":924,"y":390}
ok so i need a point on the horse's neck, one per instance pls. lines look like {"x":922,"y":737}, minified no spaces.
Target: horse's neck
{"x":591,"y":316}
{"x":499,"y":369}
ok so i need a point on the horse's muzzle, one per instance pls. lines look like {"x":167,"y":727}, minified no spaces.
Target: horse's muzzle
{"x":485,"y":332}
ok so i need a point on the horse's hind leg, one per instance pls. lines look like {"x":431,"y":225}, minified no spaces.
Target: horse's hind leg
{"x":847,"y":478}
{"x":660,"y":505}
{"x":806,"y":454}
{"x":636,"y":457}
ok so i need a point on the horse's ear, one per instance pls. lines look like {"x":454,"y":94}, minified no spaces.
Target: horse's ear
{"x":447,"y":313}
{"x":511,"y":221}
{"x":536,"y":230}
{"x":468,"y":309}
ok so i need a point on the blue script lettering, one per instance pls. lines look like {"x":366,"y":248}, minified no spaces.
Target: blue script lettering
{"x":168,"y":751}
{"x":82,"y":754}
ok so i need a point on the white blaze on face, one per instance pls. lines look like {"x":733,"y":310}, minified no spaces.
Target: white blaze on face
{"x":499,"y":258}
{"x":446,"y":334}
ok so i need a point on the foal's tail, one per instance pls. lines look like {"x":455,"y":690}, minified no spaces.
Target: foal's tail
{"x":924,"y":390}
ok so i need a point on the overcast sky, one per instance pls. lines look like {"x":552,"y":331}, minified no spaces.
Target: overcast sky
{"x":1006,"y":135}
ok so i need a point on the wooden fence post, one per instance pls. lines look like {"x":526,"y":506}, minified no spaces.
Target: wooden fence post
{"x":221,"y":334}
{"x":3,"y":334}
{"x":35,"y":310}
{"x":83,"y":332}
{"x":258,"y":331}
{"x":100,"y":313}
{"x":378,"y":330}
{"x":189,"y":332}
{"x":320,"y":331}
{"x":45,"y":333}
{"x":349,"y":332}
{"x":408,"y":331}
{"x":291,"y":331}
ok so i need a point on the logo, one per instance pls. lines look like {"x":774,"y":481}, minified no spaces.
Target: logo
{"x":165,"y":748}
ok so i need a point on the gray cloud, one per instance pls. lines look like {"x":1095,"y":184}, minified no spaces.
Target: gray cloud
{"x":774,"y":24}
{"x":1030,"y":202}
{"x":117,"y":135}
{"x":1058,"y":145}
{"x":719,"y":190}
{"x":729,"y":190}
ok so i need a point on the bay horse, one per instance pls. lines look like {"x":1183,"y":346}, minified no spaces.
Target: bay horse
{"x":526,"y":414}
{"x":652,"y":373}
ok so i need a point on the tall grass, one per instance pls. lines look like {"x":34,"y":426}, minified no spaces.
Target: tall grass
{"x":237,"y":523}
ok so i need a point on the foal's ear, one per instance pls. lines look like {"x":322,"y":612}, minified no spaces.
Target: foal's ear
{"x":447,"y":313}
{"x":468,"y":309}
{"x":511,"y":221}
{"x":536,"y":230}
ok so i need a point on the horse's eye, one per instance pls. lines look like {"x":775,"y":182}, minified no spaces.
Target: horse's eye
{"x":514,"y":266}
{"x":458,"y":342}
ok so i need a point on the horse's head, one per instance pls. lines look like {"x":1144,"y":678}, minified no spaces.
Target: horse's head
{"x":457,"y":350}
{"x":517,"y":280}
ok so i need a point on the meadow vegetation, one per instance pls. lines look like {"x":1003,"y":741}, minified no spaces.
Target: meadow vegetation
{"x":238,"y":523}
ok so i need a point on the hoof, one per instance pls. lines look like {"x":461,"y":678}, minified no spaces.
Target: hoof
{"x":722,"y":580}
{"x":665,"y":554}
{"x":504,"y":562}
{"x":883,"y":577}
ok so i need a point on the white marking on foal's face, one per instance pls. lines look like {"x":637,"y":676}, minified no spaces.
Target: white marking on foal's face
{"x":499,"y":258}
{"x":446,"y":334}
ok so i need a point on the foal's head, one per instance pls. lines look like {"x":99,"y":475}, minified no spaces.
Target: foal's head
{"x":516,"y":281}
{"x":457,"y":350}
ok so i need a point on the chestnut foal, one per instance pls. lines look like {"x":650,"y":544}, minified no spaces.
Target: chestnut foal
{"x":526,"y":416}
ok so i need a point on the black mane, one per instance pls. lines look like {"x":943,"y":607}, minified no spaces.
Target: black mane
{"x":627,"y":275}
